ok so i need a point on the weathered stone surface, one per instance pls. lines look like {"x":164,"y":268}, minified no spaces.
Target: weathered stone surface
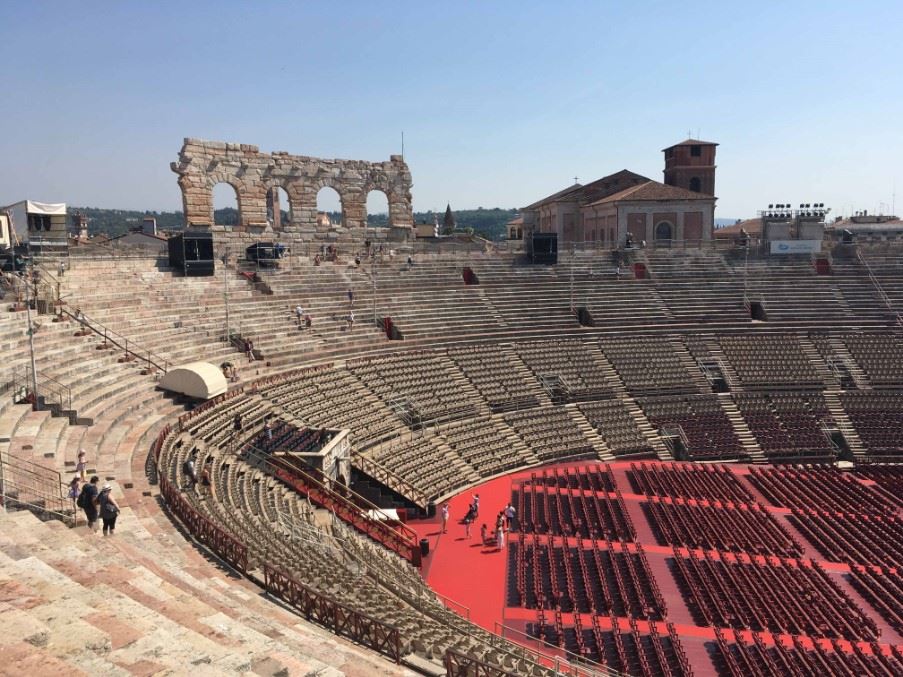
{"x":253,"y":175}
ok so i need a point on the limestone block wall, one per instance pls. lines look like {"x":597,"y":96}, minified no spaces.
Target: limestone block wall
{"x":252,"y":174}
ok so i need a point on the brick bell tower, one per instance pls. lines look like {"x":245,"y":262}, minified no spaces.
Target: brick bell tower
{"x":690,"y":164}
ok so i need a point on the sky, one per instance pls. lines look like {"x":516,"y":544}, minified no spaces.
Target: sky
{"x":500,"y":103}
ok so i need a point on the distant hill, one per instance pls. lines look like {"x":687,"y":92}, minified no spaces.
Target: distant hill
{"x":490,"y":223}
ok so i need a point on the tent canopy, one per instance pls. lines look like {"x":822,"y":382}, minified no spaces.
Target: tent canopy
{"x":200,"y":380}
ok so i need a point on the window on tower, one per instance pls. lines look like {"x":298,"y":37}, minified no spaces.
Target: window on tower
{"x":696,"y":151}
{"x":696,"y":184}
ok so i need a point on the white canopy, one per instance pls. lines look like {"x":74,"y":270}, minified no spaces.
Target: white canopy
{"x":200,"y":380}
{"x":49,"y":208}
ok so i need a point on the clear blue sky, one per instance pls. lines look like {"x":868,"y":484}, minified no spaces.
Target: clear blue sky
{"x":501,"y":103}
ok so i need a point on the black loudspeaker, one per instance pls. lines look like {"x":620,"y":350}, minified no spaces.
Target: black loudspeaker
{"x":544,"y":248}
{"x":192,"y":253}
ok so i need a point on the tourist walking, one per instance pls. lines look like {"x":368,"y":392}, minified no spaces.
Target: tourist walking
{"x":87,"y":501}
{"x":74,"y":491}
{"x":351,"y":298}
{"x":206,"y":482}
{"x":190,"y":472}
{"x":445,"y":518}
{"x":109,"y":509}
{"x":500,"y":537}
{"x":81,"y":467}
{"x":510,"y":515}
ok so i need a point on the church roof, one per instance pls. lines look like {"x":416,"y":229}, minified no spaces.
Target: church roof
{"x":555,"y":196}
{"x":653,"y":191}
{"x":691,"y":142}
{"x":590,"y":192}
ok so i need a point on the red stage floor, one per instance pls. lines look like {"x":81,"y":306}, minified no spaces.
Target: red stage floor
{"x":472,"y":575}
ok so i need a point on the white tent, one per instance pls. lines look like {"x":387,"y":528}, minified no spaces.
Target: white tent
{"x":20,"y":210}
{"x":200,"y":380}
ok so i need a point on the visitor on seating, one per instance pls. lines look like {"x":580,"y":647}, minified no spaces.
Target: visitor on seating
{"x":189,"y":470}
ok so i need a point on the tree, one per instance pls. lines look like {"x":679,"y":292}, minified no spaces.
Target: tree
{"x":448,"y":223}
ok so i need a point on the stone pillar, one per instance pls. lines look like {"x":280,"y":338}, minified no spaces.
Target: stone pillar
{"x":354,"y":210}
{"x":197,"y":200}
{"x":252,"y":205}
{"x":274,"y":208}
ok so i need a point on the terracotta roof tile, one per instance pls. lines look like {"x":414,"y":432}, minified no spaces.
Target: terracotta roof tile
{"x":691,"y":142}
{"x":653,"y":191}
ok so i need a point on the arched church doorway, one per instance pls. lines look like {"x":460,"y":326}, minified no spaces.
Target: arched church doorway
{"x":664,"y":233}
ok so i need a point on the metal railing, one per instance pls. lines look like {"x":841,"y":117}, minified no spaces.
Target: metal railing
{"x":132,"y":349}
{"x":31,"y":486}
{"x":51,"y":391}
{"x":885,"y":299}
{"x":333,"y":615}
{"x":558,"y":658}
{"x":391,"y":480}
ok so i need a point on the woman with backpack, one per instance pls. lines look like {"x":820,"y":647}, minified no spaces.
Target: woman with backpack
{"x":87,"y":501}
{"x":109,"y":509}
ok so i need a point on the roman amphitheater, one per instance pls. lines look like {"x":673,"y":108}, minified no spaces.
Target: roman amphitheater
{"x":702,"y":448}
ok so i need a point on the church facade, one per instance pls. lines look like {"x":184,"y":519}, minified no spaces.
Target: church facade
{"x":605,"y":211}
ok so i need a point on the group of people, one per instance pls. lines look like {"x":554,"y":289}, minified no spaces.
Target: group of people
{"x":192,"y":479}
{"x":230,"y":371}
{"x":304,"y":319}
{"x":505,"y":521}
{"x":97,"y":503}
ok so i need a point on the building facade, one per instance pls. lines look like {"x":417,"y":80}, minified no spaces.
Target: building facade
{"x":690,"y":164}
{"x":605,"y":211}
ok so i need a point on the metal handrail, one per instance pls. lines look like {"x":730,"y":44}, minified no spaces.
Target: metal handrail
{"x":876,"y":284}
{"x":574,"y":664}
{"x":392,"y":480}
{"x":149,"y":357}
{"x":44,"y":484}
{"x":48,"y":383}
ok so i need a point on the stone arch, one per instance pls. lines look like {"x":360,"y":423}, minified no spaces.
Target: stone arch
{"x":664,"y":232}
{"x":328,"y":196}
{"x":280,"y":206}
{"x":377,"y":199}
{"x":219,"y":186}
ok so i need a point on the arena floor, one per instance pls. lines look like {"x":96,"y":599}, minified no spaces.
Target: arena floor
{"x":475,"y":576}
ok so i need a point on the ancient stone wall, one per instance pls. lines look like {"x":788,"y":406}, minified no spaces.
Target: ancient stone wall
{"x":253,"y":175}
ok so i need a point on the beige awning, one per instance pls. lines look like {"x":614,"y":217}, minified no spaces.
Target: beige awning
{"x":200,"y":380}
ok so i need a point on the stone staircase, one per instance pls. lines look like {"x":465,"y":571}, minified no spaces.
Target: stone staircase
{"x":840,"y":350}
{"x":714,"y":350}
{"x":812,"y":354}
{"x":845,"y":426}
{"x":700,"y":382}
{"x":744,"y":434}
{"x":620,"y":391}
{"x":143,"y":602}
{"x":599,"y":443}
